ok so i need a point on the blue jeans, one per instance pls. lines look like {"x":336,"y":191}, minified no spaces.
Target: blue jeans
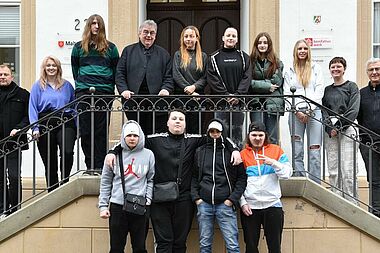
{"x":313,"y":130}
{"x":227,"y":221}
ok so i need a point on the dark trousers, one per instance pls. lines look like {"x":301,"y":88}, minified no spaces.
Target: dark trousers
{"x":171,"y":225}
{"x":101,"y":124}
{"x":48,"y":146}
{"x":145,"y":116}
{"x":375,"y":169}
{"x":120,"y":224}
{"x":10,"y":194}
{"x":272,"y":220}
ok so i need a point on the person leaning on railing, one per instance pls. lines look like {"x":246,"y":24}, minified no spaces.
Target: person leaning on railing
{"x":13,"y":117}
{"x":93,"y":61}
{"x":343,"y":98}
{"x":266,"y":80}
{"x":48,"y":94}
{"x":145,"y":68}
{"x":306,"y":76}
{"x":228,"y":73}
{"x":189,"y":72}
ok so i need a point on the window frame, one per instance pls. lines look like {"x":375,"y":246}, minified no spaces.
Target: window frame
{"x":17,"y":72}
{"x":373,"y":43}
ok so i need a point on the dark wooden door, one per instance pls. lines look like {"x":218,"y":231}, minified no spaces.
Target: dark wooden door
{"x":211,"y":18}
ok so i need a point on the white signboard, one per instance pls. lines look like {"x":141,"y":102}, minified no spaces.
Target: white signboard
{"x":59,"y":24}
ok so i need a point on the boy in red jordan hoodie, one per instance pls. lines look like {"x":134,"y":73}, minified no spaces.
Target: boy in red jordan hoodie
{"x":138,"y":163}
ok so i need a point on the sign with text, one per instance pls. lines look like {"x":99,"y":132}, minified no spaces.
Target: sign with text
{"x":319,"y":42}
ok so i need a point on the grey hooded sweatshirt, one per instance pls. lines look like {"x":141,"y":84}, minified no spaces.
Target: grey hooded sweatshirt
{"x":138,"y":171}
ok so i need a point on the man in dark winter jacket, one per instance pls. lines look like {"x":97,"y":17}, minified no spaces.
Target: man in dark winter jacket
{"x":145,"y":68}
{"x":216,"y":188}
{"x":13,"y":117}
{"x":368,"y":117}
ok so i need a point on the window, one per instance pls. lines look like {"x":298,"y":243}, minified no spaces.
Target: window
{"x":376,"y":29}
{"x":10,"y":38}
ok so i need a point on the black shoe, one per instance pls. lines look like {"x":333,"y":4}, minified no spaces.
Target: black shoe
{"x":95,"y":172}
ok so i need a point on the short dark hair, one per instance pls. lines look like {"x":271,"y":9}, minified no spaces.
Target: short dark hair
{"x":260,"y":127}
{"x":177,"y":110}
{"x":338,"y":59}
{"x":7,"y":66}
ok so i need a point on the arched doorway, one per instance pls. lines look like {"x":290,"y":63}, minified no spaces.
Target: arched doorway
{"x":211,"y":17}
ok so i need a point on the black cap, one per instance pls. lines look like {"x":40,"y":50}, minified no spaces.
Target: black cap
{"x":257,"y":126}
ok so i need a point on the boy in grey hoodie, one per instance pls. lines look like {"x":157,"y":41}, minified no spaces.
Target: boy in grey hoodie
{"x":138,"y":172}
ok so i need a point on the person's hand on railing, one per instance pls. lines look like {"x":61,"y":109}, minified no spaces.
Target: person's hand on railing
{"x":14,"y":132}
{"x":105,"y":214}
{"x":110,"y":160}
{"x":233,"y":101}
{"x":189,"y":90}
{"x":36,"y":134}
{"x":163,"y":92}
{"x":127,"y":94}
{"x":302,"y":117}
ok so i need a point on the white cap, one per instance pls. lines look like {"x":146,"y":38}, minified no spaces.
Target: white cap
{"x":215,"y":125}
{"x":132,"y":128}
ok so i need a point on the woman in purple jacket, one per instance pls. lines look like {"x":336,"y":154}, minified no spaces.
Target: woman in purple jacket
{"x":48,"y":94}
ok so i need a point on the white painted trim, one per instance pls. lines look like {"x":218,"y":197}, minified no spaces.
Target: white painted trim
{"x":244,"y":25}
{"x":372,"y":26}
{"x":142,"y":11}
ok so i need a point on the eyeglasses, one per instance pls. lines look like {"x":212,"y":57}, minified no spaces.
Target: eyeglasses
{"x":146,"y":33}
{"x":377,"y":69}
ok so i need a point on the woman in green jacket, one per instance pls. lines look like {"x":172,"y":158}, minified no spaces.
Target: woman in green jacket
{"x":266,"y":80}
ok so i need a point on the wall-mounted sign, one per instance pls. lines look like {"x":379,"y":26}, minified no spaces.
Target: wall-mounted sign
{"x":317,"y":19}
{"x":319,"y":42}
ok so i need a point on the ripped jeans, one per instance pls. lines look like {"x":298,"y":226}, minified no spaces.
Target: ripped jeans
{"x":313,"y":130}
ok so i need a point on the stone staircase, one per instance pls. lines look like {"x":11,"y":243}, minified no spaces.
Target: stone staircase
{"x":67,"y":220}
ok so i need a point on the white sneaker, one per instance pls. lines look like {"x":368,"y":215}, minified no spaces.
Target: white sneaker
{"x":3,"y":216}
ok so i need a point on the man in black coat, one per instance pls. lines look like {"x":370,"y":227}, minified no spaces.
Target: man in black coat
{"x":368,"y":117}
{"x":145,"y":68}
{"x":13,"y":117}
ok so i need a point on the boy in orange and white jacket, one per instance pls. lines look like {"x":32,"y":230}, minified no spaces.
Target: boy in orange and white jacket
{"x":260,"y":203}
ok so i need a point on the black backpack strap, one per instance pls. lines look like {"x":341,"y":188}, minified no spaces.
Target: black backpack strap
{"x":122,"y":170}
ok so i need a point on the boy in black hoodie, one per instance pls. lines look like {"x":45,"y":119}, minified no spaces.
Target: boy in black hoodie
{"x":216,"y":188}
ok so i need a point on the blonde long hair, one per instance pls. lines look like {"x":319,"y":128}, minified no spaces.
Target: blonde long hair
{"x":185,"y":56}
{"x":100,"y":41}
{"x":302,"y":69}
{"x":43,"y":75}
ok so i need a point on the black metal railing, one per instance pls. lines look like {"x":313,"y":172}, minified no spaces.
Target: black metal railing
{"x":203,"y":107}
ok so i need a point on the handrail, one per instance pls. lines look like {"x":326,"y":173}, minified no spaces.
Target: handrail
{"x":203,"y":103}
{"x":199,"y":104}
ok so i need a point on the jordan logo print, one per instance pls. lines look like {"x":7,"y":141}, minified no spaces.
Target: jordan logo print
{"x":129,"y":169}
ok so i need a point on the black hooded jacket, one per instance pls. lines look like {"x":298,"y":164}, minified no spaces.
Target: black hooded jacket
{"x":14,"y":104}
{"x":215,"y":179}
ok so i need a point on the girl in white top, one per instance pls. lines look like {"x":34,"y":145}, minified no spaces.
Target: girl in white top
{"x":306,"y":77}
